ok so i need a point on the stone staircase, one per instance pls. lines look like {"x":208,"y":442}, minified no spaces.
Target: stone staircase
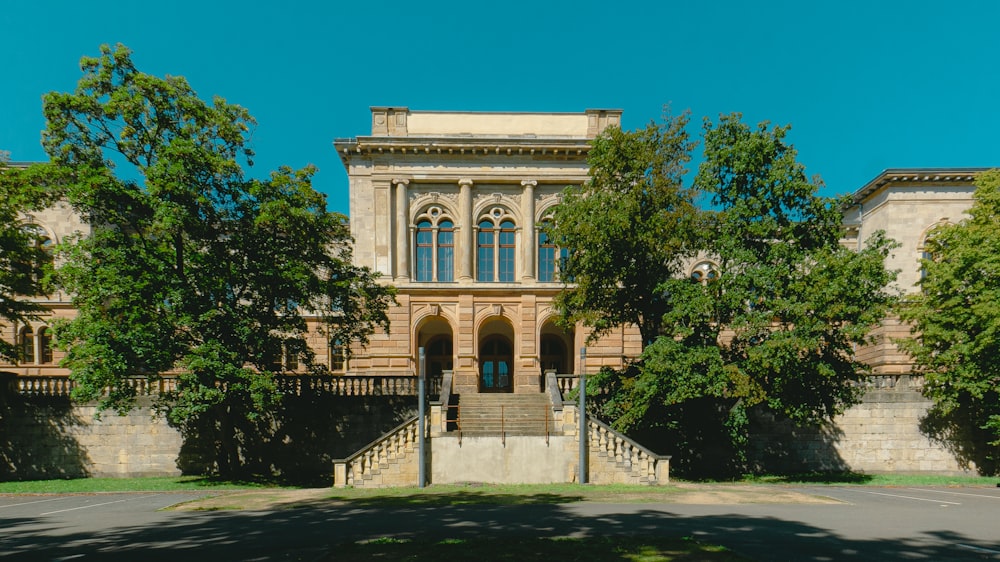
{"x":505,"y":414}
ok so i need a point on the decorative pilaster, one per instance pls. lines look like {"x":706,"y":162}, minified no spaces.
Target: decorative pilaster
{"x":528,"y":232}
{"x":402,"y":229}
{"x":466,"y":246}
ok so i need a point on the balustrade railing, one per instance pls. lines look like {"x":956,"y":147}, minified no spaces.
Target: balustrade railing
{"x":647,"y":466}
{"x":566,"y":383}
{"x":372,"y":385}
{"x":371,"y":459}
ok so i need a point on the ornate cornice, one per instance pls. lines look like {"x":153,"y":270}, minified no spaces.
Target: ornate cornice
{"x":913,"y":176}
{"x":453,"y":146}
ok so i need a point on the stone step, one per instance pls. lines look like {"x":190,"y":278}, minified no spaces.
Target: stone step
{"x":511,"y":414}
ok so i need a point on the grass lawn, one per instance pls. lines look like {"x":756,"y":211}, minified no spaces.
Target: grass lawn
{"x":483,"y":493}
{"x":633,"y":549}
{"x":96,"y":485}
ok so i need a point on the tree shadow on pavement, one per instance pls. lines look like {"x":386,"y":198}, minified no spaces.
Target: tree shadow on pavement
{"x":321,"y":533}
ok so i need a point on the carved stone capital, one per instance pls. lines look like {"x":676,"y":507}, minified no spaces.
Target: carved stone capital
{"x":400,"y":181}
{"x":531,"y":183}
{"x":465,"y":182}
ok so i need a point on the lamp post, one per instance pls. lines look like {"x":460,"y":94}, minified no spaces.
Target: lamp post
{"x":583,"y":415}
{"x":422,"y":425}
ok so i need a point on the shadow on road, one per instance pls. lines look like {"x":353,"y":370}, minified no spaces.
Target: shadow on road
{"x":312,"y":533}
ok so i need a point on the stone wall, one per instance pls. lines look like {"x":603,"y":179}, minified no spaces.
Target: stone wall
{"x":881,"y":434}
{"x":45,"y":437}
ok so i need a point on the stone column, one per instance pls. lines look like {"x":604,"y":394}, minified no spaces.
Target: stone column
{"x":402,"y":230}
{"x":466,"y":245}
{"x":528,"y":232}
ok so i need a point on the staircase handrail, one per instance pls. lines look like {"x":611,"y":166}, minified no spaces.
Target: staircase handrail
{"x":648,"y":466}
{"x":445,"y":395}
{"x":381,"y":439}
{"x":552,"y":387}
{"x":596,"y":422}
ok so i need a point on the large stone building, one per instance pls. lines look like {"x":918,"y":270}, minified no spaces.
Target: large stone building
{"x":448,"y":207}
{"x":907,"y":204}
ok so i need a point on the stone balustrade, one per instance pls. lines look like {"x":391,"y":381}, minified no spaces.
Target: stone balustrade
{"x":617,"y":459}
{"x":567,"y":383}
{"x":387,"y":461}
{"x":369,"y":385}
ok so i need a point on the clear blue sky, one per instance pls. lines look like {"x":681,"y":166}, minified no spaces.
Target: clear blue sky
{"x":866,"y":85}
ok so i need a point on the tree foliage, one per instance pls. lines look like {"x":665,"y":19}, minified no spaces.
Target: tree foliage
{"x":776,"y":324}
{"x":25,"y":261}
{"x":191,"y":265}
{"x":956,"y":316}
{"x":626,"y":228}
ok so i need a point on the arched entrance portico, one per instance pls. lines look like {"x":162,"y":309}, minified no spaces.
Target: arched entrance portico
{"x":435,"y":336}
{"x":496,"y":357}
{"x":555,"y":349}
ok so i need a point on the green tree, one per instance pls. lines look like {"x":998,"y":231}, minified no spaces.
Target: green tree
{"x":626,"y":229}
{"x":25,"y":265}
{"x":191,"y":266}
{"x":956,"y":321}
{"x":775,"y":324}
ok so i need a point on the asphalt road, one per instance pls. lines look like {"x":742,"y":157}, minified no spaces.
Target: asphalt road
{"x":883,"y":524}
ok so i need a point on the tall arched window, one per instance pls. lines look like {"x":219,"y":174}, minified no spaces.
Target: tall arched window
{"x":27,"y":344}
{"x":929,"y":249}
{"x":434,"y":244}
{"x":546,"y":259}
{"x":496,"y":249}
{"x":484,"y":253}
{"x":44,"y":346}
{"x":508,"y":247}
{"x":425,"y":251}
{"x":40,"y":246}
{"x":338,"y":356}
{"x":446,"y":251}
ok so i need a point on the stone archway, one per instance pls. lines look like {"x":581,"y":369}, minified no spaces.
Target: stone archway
{"x":436,"y":337}
{"x":555,"y":351}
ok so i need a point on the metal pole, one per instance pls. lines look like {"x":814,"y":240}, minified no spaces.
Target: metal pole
{"x":583,"y":415}
{"x":421,"y":420}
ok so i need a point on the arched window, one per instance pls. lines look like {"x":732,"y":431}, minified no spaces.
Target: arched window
{"x":446,"y":251}
{"x":551,"y":258}
{"x":704,"y":272}
{"x":40,"y":246}
{"x":27,"y":343}
{"x":434,"y":245}
{"x":44,"y":346}
{"x":496,"y":248}
{"x":425,"y":251}
{"x":485,"y":251}
{"x":508,"y":248}
{"x":338,"y":356}
{"x":546,"y":259}
{"x":929,"y":248}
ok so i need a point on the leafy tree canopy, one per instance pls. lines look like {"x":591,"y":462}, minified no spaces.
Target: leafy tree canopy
{"x":956,"y":315}
{"x":191,"y":266}
{"x":627,"y":228}
{"x":776,"y":320}
{"x":25,"y":264}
